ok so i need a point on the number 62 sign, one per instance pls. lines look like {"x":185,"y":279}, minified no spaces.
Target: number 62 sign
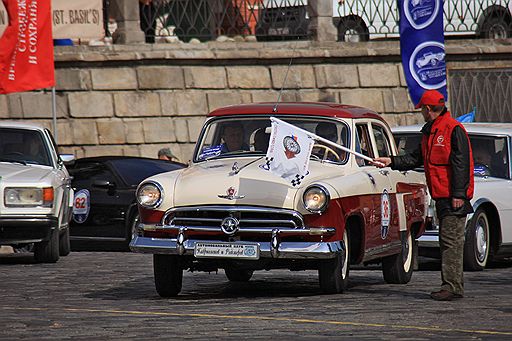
{"x":81,"y":206}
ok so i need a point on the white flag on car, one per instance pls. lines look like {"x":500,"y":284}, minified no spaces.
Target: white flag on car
{"x":288,"y":151}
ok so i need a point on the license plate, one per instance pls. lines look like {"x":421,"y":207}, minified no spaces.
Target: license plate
{"x":226,"y":250}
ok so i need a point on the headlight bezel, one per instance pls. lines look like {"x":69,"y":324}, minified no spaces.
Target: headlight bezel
{"x":158,"y":201}
{"x":327,"y":199}
{"x":44,"y":197}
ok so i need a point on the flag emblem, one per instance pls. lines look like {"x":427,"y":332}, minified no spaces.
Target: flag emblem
{"x":291,"y":146}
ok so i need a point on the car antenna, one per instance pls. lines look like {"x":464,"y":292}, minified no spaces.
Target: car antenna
{"x":285,"y":77}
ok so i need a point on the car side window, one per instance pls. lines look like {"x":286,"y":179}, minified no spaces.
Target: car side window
{"x":382,"y":141}
{"x":363,"y":143}
{"x":84,"y":175}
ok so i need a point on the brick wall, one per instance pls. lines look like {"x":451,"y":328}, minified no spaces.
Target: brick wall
{"x":133,"y":100}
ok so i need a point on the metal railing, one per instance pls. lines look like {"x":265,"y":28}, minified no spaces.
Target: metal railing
{"x":355,"y":20}
{"x":486,"y":90}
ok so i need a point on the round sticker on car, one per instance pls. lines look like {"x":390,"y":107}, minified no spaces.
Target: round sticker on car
{"x":385,"y":210}
{"x":81,"y":206}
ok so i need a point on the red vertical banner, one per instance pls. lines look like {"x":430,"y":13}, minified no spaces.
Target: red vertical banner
{"x":26,"y":47}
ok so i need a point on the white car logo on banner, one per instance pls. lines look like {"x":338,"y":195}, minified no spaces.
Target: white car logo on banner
{"x":427,"y":65}
{"x":421,"y":13}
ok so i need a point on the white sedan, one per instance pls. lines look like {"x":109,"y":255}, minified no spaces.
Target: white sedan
{"x":36,"y":196}
{"x":489,"y":228}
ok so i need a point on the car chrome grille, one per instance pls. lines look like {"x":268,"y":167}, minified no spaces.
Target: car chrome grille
{"x":249,"y":217}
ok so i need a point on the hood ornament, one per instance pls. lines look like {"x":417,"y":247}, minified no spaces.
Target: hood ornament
{"x":231,"y":194}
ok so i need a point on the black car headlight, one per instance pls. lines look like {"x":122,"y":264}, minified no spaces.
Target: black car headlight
{"x":150,"y":194}
{"x":316,"y":199}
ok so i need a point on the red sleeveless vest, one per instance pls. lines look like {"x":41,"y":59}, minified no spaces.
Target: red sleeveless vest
{"x":436,"y":149}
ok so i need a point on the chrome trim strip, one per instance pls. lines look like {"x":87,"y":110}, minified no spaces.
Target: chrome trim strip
{"x":229,"y":209}
{"x":287,"y":250}
{"x":264,"y":230}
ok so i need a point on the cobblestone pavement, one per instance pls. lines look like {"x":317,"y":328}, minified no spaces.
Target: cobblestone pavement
{"x":111,"y":295}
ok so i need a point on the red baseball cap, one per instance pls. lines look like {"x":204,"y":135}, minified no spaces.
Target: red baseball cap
{"x":430,"y":97}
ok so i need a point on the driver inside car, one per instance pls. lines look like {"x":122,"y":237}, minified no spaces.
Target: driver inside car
{"x":233,"y":137}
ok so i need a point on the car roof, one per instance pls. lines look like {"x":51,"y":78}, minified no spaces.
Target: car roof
{"x":20,"y":125}
{"x":325,"y":109}
{"x":489,"y":128}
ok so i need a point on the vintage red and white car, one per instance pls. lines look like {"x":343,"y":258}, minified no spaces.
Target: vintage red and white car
{"x":227,"y":211}
{"x":488,"y":230}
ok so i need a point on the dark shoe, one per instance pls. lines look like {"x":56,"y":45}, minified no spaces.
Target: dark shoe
{"x":444,"y":295}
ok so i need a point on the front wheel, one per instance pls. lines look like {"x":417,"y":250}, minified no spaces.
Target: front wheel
{"x":48,"y":251}
{"x":64,"y":244}
{"x":168,"y":275}
{"x":333,"y":273}
{"x":477,"y":244}
{"x":398,"y":269}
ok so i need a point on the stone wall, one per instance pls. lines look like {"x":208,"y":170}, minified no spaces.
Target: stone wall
{"x":135,"y":99}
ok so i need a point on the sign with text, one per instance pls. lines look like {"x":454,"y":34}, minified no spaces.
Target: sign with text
{"x":26,"y":56}
{"x":77,"y":19}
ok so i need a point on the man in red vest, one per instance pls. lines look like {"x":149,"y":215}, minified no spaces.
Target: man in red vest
{"x":445,"y":152}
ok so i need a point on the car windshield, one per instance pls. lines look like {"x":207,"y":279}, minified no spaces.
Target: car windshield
{"x":249,"y":136}
{"x":133,"y":171}
{"x":23,"y":146}
{"x":491,"y":156}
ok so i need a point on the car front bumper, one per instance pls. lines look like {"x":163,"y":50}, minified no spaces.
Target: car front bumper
{"x":27,"y":229}
{"x":268,"y":250}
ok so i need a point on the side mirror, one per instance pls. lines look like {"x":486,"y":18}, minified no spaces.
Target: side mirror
{"x":67,"y":159}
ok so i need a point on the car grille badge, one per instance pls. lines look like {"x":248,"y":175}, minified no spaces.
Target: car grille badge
{"x":230,"y":225}
{"x":231,"y":194}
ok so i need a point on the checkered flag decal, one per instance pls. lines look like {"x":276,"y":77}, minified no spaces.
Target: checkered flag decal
{"x":266,"y":165}
{"x":297,"y":180}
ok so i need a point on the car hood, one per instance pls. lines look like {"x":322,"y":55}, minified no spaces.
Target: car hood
{"x":212,"y":182}
{"x":14,"y":173}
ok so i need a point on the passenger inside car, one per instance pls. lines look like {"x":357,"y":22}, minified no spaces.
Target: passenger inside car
{"x":261,"y":140}
{"x":329,"y":132}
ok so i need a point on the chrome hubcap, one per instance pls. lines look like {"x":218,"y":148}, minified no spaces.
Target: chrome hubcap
{"x":481,"y":240}
{"x":407,"y":253}
{"x":346,"y":257}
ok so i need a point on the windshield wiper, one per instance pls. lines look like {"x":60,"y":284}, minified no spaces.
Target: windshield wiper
{"x":13,"y":161}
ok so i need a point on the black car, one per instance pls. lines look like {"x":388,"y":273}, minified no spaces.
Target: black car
{"x":104,"y":208}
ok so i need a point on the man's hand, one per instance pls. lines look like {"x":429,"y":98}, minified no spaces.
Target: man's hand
{"x":381,"y":162}
{"x":457,"y":203}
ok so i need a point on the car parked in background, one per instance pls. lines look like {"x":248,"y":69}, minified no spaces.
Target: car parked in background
{"x":489,"y":228}
{"x":36,"y":195}
{"x":104,"y":209}
{"x":228,"y":211}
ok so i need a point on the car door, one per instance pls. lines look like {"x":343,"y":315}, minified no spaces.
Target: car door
{"x":105,"y":196}
{"x":377,"y":237}
{"x":404,"y":186}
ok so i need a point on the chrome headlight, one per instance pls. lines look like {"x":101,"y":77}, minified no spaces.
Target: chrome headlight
{"x":28,"y":197}
{"x":150,"y":194}
{"x":316,"y":199}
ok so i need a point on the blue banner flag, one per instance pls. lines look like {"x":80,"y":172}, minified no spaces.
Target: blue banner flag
{"x":422,"y":46}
